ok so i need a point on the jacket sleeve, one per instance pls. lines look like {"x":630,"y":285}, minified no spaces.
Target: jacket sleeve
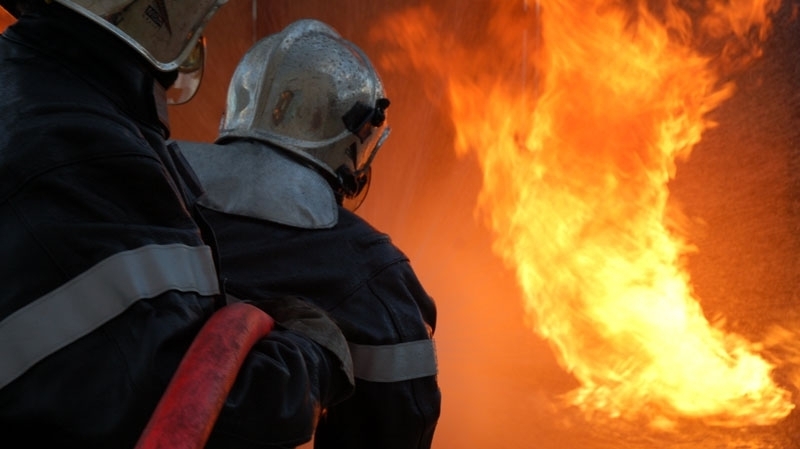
{"x":396,"y":404}
{"x":288,"y":380}
{"x":281,"y":391}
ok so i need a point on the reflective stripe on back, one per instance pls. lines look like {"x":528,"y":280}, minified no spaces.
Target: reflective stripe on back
{"x":98,"y":295}
{"x":394,"y":363}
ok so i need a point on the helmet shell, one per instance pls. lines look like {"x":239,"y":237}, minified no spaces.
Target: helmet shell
{"x":163,"y":31}
{"x":311,"y":92}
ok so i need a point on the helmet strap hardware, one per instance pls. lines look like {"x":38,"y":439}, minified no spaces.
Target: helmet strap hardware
{"x":348,"y":181}
{"x":360,"y":119}
{"x":379,"y":114}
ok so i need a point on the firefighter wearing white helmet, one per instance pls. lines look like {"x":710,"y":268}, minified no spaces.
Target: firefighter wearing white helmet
{"x":305,"y":117}
{"x":108,"y":272}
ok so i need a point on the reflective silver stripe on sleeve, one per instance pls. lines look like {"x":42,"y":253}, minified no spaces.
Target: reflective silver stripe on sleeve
{"x":394,"y":363}
{"x":96,"y":296}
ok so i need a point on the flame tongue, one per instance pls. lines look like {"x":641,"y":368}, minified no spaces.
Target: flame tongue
{"x":579,"y":202}
{"x":576,"y":154}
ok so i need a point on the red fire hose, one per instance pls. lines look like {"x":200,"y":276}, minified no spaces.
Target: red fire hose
{"x":184,"y":417}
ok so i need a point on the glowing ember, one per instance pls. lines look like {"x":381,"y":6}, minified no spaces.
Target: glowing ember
{"x":577,"y":112}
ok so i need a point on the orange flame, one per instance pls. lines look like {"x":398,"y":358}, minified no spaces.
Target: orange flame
{"x":577,"y":112}
{"x":6,"y":19}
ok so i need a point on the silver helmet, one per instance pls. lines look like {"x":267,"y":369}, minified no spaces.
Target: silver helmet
{"x":314,"y":94}
{"x":163,"y":31}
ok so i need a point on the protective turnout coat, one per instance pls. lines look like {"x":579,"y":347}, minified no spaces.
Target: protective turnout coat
{"x":106,"y":279}
{"x":280,"y":231}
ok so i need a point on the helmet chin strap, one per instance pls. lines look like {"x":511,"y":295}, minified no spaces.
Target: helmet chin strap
{"x":352,"y":196}
{"x":351,"y":182}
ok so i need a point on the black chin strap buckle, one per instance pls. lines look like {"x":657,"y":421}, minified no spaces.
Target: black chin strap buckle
{"x":360,"y":119}
{"x":379,"y":113}
{"x":351,"y":182}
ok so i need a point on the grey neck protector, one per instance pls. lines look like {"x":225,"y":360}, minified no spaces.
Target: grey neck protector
{"x":256,"y":180}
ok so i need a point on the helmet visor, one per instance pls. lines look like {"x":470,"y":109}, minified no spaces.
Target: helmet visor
{"x":361,"y":178}
{"x":190,"y":73}
{"x":370,"y":145}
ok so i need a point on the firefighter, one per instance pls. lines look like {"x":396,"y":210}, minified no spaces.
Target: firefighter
{"x":305,"y":117}
{"x":106,"y":275}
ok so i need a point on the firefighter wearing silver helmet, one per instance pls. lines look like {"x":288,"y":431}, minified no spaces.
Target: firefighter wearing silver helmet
{"x":305,"y":117}
{"x":109,"y":275}
{"x":316,"y":95}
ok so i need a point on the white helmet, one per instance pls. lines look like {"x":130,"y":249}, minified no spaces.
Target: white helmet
{"x":314,"y":94}
{"x":163,"y":31}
